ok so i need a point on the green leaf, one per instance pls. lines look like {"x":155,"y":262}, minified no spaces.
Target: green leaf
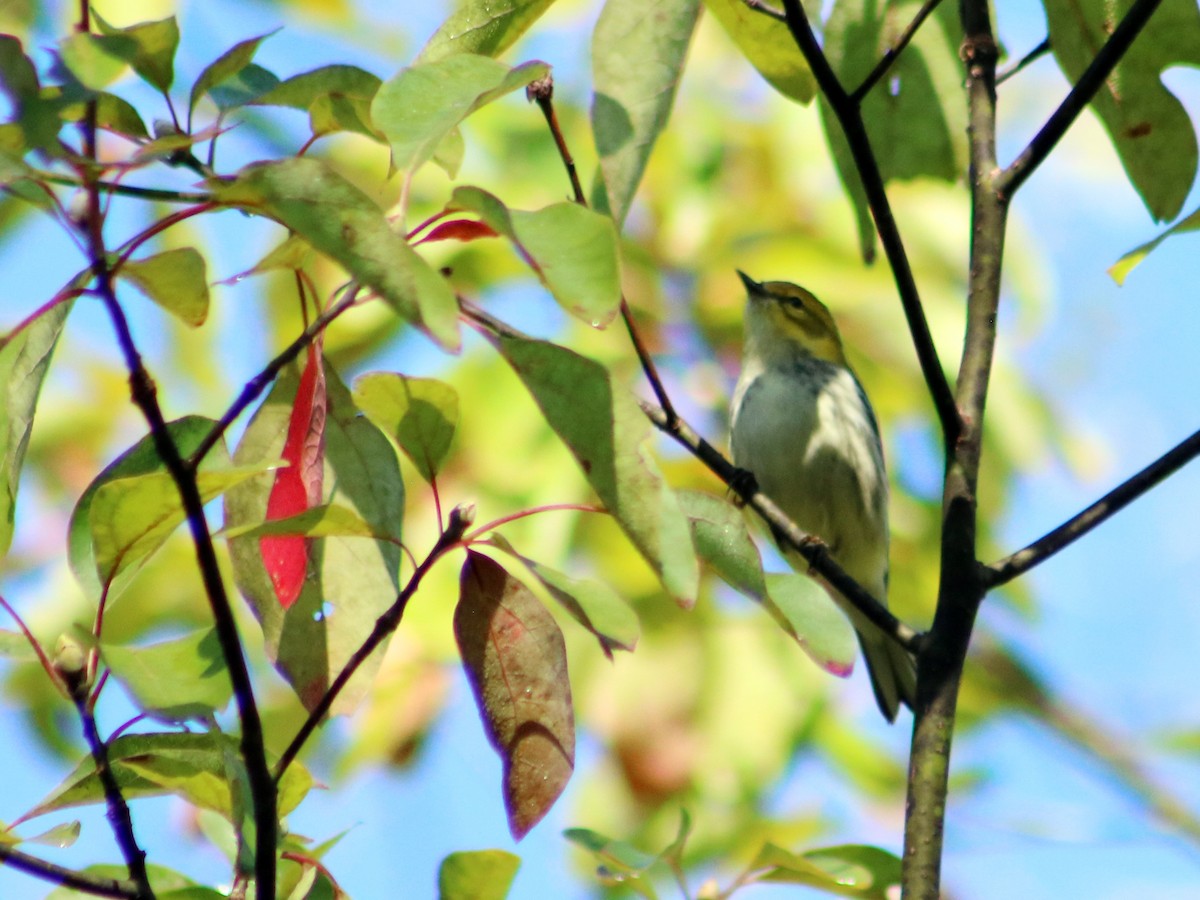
{"x":139,"y":459}
{"x":485,"y":27}
{"x":166,"y":883}
{"x":1149,"y":127}
{"x":419,"y":413}
{"x":723,"y":541}
{"x":516,"y":661}
{"x":342,"y":222}
{"x":243,"y":87}
{"x":337,"y":98}
{"x":768,"y":46}
{"x":35,"y":124}
{"x":619,"y":863}
{"x":1120,"y":270}
{"x":604,"y":430}
{"x":592,"y":604}
{"x":806,"y":611}
{"x":132,"y":517}
{"x":176,"y":280}
{"x":187,"y":764}
{"x":477,"y":875}
{"x":351,"y":580}
{"x":183,"y":678}
{"x":155,"y":43}
{"x":847,"y":871}
{"x":572,"y":250}
{"x":327,"y":520}
{"x":916,"y":115}
{"x":97,"y":60}
{"x":637,"y":61}
{"x":24,"y":361}
{"x":225,"y":66}
{"x":423,"y":103}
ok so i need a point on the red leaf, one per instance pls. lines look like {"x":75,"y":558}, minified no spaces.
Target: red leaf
{"x":297,"y":487}
{"x":517,"y":665}
{"x":459,"y":230}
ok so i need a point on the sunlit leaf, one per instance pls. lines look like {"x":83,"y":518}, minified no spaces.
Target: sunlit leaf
{"x":423,"y":103}
{"x":846,"y":871}
{"x":486,"y":27}
{"x":225,"y":66}
{"x":187,"y":764}
{"x":97,"y":60}
{"x":419,"y":413}
{"x":24,"y":361}
{"x":637,"y":61}
{"x":173,"y":680}
{"x":155,"y":43}
{"x":604,"y":430}
{"x":516,"y":662}
{"x":342,"y":222}
{"x":131,"y":518}
{"x":768,"y":46}
{"x":477,"y":875}
{"x":176,"y":280}
{"x":572,"y":250}
{"x":140,"y":459}
{"x":1131,"y":260}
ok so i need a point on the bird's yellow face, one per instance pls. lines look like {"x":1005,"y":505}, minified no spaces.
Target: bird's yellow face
{"x":781,"y":317}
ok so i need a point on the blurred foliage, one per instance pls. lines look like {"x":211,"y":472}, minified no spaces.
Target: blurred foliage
{"x":717,"y":706}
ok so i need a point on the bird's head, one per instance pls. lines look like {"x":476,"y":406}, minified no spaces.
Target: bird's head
{"x":783,"y":318}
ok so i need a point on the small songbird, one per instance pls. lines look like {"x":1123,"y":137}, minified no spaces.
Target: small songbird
{"x":803,"y":427}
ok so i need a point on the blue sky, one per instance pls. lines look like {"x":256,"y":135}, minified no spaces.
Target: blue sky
{"x":1118,"y":623}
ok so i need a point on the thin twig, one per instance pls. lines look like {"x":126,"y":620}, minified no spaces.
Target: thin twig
{"x":769,"y":11}
{"x":850,"y":118}
{"x":256,"y":385}
{"x":118,"y":810}
{"x":893,"y":52}
{"x":542,"y":93}
{"x":129,"y":190}
{"x":68,"y":878}
{"x":1081,"y":95}
{"x":1005,"y":570}
{"x":459,"y":521}
{"x":144,"y":393}
{"x":1036,"y":53}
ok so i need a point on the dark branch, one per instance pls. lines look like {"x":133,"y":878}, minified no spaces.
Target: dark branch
{"x":1043,"y":548}
{"x":814,"y":551}
{"x":850,"y":118}
{"x":542,"y":93}
{"x":1036,"y":53}
{"x":1089,"y":83}
{"x":145,"y":396}
{"x":69,"y":878}
{"x":460,"y":520}
{"x":893,"y":52}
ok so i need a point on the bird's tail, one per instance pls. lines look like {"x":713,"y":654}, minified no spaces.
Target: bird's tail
{"x":893,"y":669}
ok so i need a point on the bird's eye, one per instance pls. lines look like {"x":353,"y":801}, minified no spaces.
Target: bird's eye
{"x":794,"y":302}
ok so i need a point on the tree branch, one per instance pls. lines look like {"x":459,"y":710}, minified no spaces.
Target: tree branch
{"x":144,"y":393}
{"x":961,"y":588}
{"x":893,"y":52}
{"x":542,"y":93}
{"x":69,"y":878}
{"x":1005,"y":570}
{"x":850,"y":118}
{"x":1036,"y":53}
{"x":460,"y":520}
{"x":1085,"y":89}
{"x":118,"y":810}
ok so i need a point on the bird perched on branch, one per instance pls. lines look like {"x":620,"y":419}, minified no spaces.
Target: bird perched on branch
{"x":804,"y":428}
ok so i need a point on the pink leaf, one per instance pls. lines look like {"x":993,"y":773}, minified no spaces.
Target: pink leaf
{"x":459,"y":230}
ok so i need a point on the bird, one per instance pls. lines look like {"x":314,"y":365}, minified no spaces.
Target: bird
{"x":802,"y":426}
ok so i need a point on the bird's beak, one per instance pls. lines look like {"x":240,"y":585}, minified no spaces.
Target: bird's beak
{"x":753,"y":288}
